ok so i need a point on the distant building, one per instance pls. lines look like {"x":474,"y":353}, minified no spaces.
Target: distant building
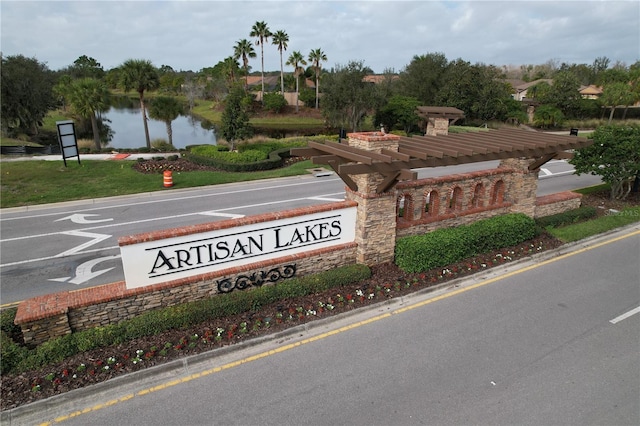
{"x":590,"y":92}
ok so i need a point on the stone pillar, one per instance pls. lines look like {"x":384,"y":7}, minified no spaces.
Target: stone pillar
{"x":437,"y":126}
{"x":376,"y":216}
{"x":522,"y":186}
{"x":530,"y":113}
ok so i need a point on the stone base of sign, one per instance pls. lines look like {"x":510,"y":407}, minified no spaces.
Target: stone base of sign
{"x":45,"y":317}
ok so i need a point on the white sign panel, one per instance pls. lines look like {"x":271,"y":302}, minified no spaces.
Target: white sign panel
{"x":168,"y":259}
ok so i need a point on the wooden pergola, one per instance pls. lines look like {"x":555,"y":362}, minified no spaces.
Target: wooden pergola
{"x":443,"y":150}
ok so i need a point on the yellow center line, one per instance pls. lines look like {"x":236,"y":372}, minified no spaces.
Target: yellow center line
{"x":324,"y":335}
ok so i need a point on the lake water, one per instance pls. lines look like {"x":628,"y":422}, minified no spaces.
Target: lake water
{"x":128,"y":130}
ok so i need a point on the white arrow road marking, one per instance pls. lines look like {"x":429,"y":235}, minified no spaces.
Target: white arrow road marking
{"x":84,"y":272}
{"x":230,"y":215}
{"x":81,"y":218}
{"x":96,"y":239}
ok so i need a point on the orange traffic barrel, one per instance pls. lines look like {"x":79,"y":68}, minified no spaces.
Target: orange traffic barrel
{"x":168,"y":179}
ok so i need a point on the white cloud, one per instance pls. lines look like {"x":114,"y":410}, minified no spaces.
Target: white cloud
{"x":384,"y":34}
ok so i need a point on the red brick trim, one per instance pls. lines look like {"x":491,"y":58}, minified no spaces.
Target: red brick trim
{"x":453,"y":178}
{"x":557,"y":197}
{"x":231,"y":223}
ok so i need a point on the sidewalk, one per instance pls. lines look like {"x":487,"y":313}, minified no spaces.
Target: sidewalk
{"x":105,"y":156}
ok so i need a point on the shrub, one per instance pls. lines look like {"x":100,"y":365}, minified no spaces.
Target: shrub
{"x":445,"y":246}
{"x":567,"y":218}
{"x":10,"y":353}
{"x":16,"y":358}
{"x":162,"y":145}
{"x":274,"y":102}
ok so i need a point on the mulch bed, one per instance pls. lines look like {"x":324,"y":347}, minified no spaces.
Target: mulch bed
{"x":387,"y":281}
{"x":183,"y":165}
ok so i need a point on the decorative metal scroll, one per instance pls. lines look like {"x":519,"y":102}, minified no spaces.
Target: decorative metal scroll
{"x":256,"y":279}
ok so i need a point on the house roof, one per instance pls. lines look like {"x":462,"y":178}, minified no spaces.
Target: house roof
{"x":591,"y":90}
{"x":269,"y":80}
{"x":525,"y":86}
{"x":378,"y":78}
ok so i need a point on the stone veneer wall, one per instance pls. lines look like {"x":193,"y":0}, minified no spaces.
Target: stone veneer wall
{"x":522,"y":185}
{"x":560,"y":202}
{"x":437,"y":126}
{"x":375,"y":223}
{"x":45,"y":317}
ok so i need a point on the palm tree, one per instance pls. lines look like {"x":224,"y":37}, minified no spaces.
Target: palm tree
{"x":261,"y":31}
{"x":280,"y":38}
{"x":167,"y":109}
{"x":244,"y":49}
{"x":140,"y":75}
{"x":87,"y":96}
{"x":296,"y":60}
{"x":316,"y":57}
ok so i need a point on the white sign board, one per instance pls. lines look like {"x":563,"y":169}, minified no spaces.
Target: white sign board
{"x":168,"y":259}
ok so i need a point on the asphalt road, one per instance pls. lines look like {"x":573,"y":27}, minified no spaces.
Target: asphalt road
{"x":548,"y":341}
{"x":51,"y":248}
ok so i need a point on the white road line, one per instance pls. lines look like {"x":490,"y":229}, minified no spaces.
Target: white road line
{"x":326,"y":199}
{"x":218,"y":214}
{"x":177,"y":198}
{"x":625,"y":315}
{"x":545,"y":171}
{"x":155,"y":219}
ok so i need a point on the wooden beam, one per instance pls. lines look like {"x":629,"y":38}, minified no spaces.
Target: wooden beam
{"x":396,"y":155}
{"x":345,"y":178}
{"x":389,"y":181}
{"x":542,"y":160}
{"x":358,"y":151}
{"x":336,"y":150}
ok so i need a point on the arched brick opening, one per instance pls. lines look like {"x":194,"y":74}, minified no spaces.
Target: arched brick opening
{"x":404,"y":207}
{"x":455,"y":199}
{"x":478,"y":195}
{"x":497,"y":195}
{"x":431,"y":204}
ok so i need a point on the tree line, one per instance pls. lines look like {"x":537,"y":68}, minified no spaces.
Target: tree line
{"x":345,"y":98}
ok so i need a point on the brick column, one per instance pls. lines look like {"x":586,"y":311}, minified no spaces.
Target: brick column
{"x":376,"y":216}
{"x":522,"y":186}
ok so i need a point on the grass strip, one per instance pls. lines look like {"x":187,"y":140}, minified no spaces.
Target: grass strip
{"x":597,"y":226}
{"x":41,"y":182}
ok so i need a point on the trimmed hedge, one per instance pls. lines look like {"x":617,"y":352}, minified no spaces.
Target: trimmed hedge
{"x":16,"y":358}
{"x":250,"y":157}
{"x":567,"y":218}
{"x":446,"y":246}
{"x":247,"y":161}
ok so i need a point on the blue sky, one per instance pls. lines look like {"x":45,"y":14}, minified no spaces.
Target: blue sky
{"x":191,"y":35}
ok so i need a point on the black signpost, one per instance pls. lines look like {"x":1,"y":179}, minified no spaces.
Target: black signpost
{"x":67,"y":140}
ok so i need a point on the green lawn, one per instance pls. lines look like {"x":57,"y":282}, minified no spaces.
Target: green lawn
{"x":597,"y":226}
{"x":27,"y":183}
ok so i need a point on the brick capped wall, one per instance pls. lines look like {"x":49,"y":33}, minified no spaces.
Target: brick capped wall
{"x":428,"y":204}
{"x":561,"y":202}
